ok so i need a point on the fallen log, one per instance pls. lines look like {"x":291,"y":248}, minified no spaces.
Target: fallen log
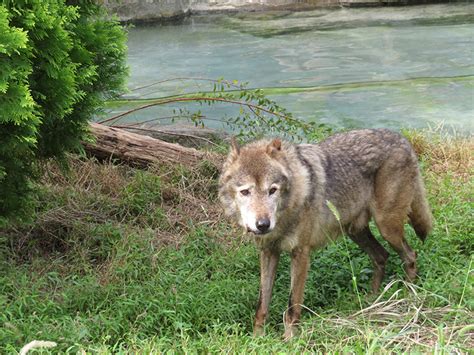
{"x":186,"y":135}
{"x":139,"y":150}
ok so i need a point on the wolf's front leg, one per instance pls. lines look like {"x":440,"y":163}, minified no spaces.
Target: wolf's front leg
{"x":300,"y":257}
{"x":268,"y":265}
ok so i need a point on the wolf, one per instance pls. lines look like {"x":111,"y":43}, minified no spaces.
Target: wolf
{"x":298,"y":197}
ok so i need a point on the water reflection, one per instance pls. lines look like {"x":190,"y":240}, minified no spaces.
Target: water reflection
{"x":390,"y":67}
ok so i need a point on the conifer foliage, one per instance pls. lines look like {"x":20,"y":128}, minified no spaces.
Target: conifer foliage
{"x":58,"y":61}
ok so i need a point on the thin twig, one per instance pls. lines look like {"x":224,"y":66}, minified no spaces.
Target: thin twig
{"x":190,"y":99}
{"x":163,"y":118}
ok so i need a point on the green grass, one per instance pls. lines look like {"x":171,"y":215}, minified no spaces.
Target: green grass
{"x":121,"y":260}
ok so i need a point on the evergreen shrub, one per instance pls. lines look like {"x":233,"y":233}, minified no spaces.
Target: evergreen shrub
{"x":59,"y":60}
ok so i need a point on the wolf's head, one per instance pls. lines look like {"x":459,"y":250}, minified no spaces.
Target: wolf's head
{"x":254,"y":184}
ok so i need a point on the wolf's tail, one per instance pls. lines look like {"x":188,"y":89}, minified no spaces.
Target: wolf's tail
{"x":420,"y":214}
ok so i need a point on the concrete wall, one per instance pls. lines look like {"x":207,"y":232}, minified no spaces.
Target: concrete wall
{"x":168,"y":10}
{"x":148,"y":10}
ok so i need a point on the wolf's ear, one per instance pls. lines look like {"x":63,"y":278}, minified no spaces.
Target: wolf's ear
{"x":274,"y":147}
{"x":234,"y":148}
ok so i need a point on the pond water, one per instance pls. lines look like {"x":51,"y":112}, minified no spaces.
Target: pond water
{"x":375,"y":67}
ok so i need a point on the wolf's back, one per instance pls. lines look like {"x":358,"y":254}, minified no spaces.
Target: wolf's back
{"x":366,"y":151}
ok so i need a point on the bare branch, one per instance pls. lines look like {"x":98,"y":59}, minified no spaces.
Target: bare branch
{"x":191,"y":99}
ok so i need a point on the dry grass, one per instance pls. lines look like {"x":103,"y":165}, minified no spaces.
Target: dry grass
{"x":94,"y":193}
{"x":443,"y":153}
{"x":91,"y":193}
{"x":400,"y":322}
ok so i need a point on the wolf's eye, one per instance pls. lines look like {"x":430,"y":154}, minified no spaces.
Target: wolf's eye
{"x":272,"y":190}
{"x":245,"y":192}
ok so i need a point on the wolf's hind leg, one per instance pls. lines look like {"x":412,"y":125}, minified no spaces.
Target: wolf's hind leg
{"x":392,"y":231}
{"x":394,"y":192}
{"x":377,"y":253}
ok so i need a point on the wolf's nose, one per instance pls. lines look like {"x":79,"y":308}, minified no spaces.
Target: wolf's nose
{"x":263,"y":224}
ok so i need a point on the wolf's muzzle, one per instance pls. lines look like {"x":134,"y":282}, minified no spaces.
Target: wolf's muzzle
{"x":263,"y":225}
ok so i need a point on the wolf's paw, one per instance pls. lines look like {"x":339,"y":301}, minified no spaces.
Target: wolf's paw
{"x":290,"y":332}
{"x":258,"y":331}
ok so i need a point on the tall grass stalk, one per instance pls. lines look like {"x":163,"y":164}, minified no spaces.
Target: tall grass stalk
{"x":337,"y":215}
